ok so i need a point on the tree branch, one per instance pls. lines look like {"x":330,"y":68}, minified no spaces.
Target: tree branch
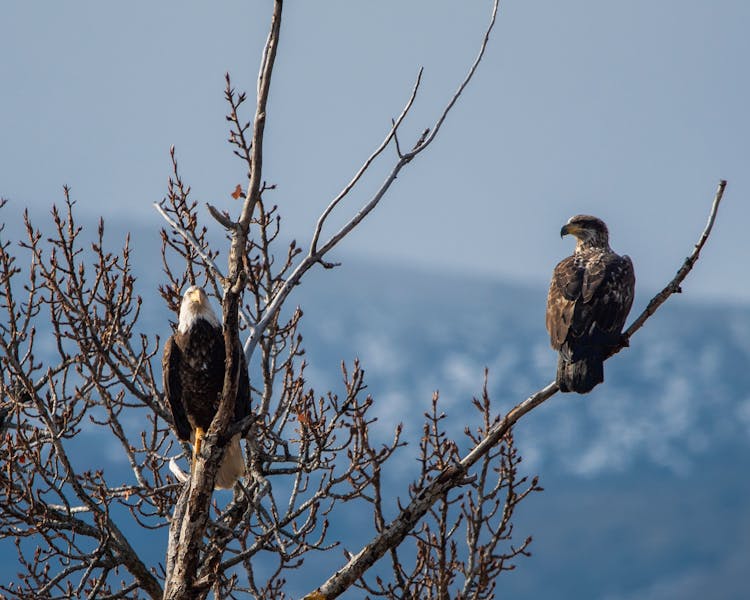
{"x":673,"y":287}
{"x":256,"y":149}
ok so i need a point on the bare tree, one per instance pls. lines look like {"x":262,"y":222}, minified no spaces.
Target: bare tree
{"x":309,"y":456}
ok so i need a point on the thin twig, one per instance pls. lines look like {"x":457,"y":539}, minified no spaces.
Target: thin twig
{"x":429,"y":135}
{"x":673,"y":287}
{"x":392,"y":134}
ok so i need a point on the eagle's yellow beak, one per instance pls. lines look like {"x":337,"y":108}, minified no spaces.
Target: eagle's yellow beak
{"x":571,"y":228}
{"x":196,"y":296}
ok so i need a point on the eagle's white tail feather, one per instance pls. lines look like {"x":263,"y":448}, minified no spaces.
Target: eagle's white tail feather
{"x":231,"y":469}
{"x":181,"y":476}
{"x":232,"y":466}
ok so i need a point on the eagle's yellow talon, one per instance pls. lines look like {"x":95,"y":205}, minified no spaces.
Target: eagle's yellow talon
{"x":199,"y":433}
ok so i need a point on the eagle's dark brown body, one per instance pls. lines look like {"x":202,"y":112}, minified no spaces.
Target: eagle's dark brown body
{"x":196,"y":377}
{"x":589,"y":298}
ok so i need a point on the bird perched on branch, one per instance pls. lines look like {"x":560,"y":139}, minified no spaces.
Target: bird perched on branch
{"x":589,"y":299}
{"x":193,"y":370}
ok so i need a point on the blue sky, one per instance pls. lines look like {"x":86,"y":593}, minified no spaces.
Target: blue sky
{"x":630,"y":111}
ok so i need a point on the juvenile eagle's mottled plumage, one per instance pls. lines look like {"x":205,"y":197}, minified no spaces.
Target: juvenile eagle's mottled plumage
{"x":589,"y":298}
{"x":193,"y":368}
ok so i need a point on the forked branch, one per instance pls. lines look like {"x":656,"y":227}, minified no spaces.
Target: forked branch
{"x":317,"y":252}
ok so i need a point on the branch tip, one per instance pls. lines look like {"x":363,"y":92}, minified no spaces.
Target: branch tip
{"x":222,"y":217}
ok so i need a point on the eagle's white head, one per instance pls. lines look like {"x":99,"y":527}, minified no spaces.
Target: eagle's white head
{"x":195,"y":305}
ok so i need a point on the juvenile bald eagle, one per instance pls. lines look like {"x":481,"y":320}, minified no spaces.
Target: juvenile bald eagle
{"x":589,"y":299}
{"x":193,"y":368}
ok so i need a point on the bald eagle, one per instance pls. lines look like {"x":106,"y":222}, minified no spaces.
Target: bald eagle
{"x":589,"y":299}
{"x":193,"y":370}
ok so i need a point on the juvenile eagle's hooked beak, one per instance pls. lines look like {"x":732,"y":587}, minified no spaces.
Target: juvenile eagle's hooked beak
{"x":569,"y":228}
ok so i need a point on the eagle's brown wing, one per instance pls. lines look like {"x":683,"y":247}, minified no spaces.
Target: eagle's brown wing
{"x":564,"y":291}
{"x":173,"y":388}
{"x":609,"y":284}
{"x":592,"y":298}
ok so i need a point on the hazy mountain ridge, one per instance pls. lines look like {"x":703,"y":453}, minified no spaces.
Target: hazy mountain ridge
{"x":681,"y":387}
